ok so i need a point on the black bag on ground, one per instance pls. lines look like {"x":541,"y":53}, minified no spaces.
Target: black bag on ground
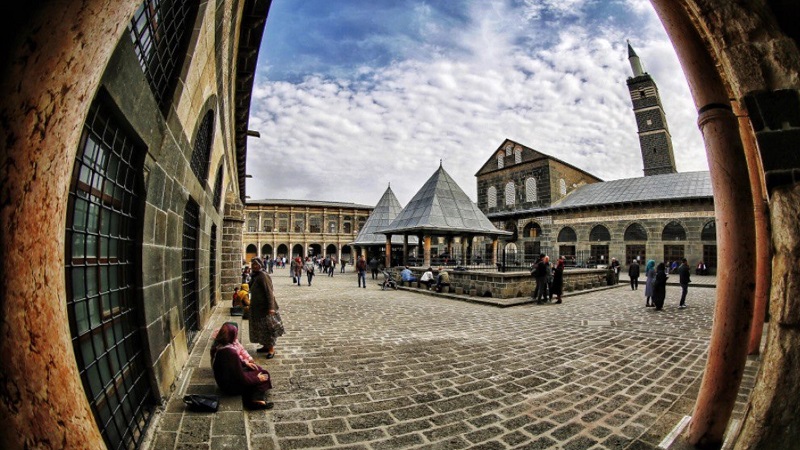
{"x":201,"y":403}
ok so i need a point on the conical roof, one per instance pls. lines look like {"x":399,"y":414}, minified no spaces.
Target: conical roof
{"x":442,"y":207}
{"x":382,"y":215}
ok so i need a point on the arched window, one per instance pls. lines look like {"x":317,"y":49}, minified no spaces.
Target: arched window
{"x":531,"y":193}
{"x":709,"y":232}
{"x":511,"y":193}
{"x":635,"y":232}
{"x":599,"y":233}
{"x":518,"y":155}
{"x":532,"y":230}
{"x":202,"y":147}
{"x":673,"y":232}
{"x":218,"y":189}
{"x":567,"y":234}
{"x":491,"y":197}
{"x":509,"y":148}
{"x":562,"y":186}
{"x":160,"y":31}
{"x":500,"y":160}
{"x":101,"y":263}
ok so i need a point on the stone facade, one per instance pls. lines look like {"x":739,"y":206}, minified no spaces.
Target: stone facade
{"x":279,"y":228}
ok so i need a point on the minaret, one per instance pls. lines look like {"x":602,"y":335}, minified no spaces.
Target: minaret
{"x":654,"y":138}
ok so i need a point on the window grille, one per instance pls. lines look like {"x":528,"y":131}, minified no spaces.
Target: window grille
{"x":267,"y":225}
{"x":509,"y":149}
{"x":212,"y":262}
{"x":709,"y":232}
{"x":599,"y":233}
{"x":218,"y":189}
{"x":673,"y":232}
{"x":635,"y":232}
{"x":567,"y":234}
{"x":191,"y":225}
{"x":500,"y":160}
{"x":511,"y":193}
{"x":101,"y":256}
{"x":332,"y":227}
{"x":491,"y":197}
{"x":517,"y":155}
{"x":160,"y":31}
{"x":202,"y":147}
{"x":531,"y":193}
{"x":562,"y":186}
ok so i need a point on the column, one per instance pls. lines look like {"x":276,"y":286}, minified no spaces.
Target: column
{"x":426,"y":251}
{"x":494,"y":251}
{"x":464,"y":242}
{"x":388,"y":262}
{"x":405,"y":249}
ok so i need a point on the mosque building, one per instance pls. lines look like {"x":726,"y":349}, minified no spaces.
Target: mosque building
{"x":555,"y":208}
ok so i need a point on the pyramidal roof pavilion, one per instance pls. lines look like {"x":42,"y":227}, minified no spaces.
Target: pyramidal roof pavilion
{"x":441,"y":208}
{"x":382,"y":215}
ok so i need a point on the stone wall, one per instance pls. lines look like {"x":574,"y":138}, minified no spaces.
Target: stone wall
{"x":513,"y":284}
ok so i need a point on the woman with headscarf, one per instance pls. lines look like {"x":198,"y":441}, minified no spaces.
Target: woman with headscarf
{"x":242,"y":298}
{"x":265,"y":321}
{"x":660,"y":287}
{"x":558,"y":279}
{"x":235,"y":371}
{"x":650,"y":276}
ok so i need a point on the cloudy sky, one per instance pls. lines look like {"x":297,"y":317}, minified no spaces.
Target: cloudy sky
{"x":352,"y":95}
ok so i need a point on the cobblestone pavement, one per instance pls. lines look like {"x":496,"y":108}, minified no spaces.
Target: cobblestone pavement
{"x":372,"y":369}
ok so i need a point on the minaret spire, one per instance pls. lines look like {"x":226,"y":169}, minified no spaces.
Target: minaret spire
{"x":636,"y":64}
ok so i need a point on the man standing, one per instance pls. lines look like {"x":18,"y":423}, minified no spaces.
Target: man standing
{"x":361,"y":268}
{"x":683,"y":274}
{"x":539,"y":273}
{"x":633,"y":274}
{"x":615,"y":267}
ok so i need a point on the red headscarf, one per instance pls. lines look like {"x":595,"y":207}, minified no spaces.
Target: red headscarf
{"x":226,"y":335}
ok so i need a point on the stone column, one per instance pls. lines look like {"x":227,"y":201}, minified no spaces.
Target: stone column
{"x":426,"y":251}
{"x":494,"y":251}
{"x":231,"y":245}
{"x":464,"y":242}
{"x":733,"y":201}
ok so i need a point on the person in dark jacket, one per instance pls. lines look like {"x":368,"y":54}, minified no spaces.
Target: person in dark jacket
{"x":684,"y":279}
{"x":539,"y":273}
{"x":660,"y":286}
{"x":236,"y":373}
{"x":263,"y":305}
{"x":558,"y":279}
{"x":633,"y":274}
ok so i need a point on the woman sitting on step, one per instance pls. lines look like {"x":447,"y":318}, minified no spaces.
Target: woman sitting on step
{"x":235,"y":371}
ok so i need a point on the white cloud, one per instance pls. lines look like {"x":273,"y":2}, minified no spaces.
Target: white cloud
{"x":345,"y":140}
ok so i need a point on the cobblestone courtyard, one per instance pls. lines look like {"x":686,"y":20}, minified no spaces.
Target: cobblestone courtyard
{"x":372,"y":369}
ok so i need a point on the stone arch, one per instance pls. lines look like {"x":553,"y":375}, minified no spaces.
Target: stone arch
{"x":567,"y":234}
{"x":673,"y":231}
{"x":635,"y":232}
{"x":266,"y":249}
{"x":599,"y":233}
{"x":330,"y":249}
{"x":297,"y":250}
{"x":282,"y":251}
{"x":709,"y":231}
{"x":315,"y":249}
{"x":532,"y":230}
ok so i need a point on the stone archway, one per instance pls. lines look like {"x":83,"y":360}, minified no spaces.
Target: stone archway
{"x":728,"y":49}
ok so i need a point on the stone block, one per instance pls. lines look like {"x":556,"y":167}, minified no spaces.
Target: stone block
{"x":459,"y":291}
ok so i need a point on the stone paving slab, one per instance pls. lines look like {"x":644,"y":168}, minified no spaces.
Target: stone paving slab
{"x":371,"y":369}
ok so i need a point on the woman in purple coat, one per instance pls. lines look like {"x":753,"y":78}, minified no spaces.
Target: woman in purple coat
{"x":233,"y":374}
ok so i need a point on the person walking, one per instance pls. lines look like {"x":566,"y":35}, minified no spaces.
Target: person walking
{"x":333,"y":266}
{"x":633,"y":274}
{"x":298,"y":269}
{"x":361,"y":268}
{"x":660,"y":286}
{"x":650,"y":278}
{"x":548,"y":270}
{"x":684,"y":279}
{"x":558,"y":279}
{"x":615,"y":267}
{"x":539,"y":273}
{"x":344,"y":263}
{"x":309,"y":268}
{"x":265,"y":321}
{"x":373,"y":265}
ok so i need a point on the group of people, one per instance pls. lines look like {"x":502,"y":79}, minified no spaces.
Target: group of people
{"x":441,"y":280}
{"x":655,"y":289}
{"x":235,"y":371}
{"x":549,"y":279}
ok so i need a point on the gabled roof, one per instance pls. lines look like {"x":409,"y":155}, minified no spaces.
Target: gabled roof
{"x":442,"y":207}
{"x":382,"y":215}
{"x":528,"y":155}
{"x":671,"y":186}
